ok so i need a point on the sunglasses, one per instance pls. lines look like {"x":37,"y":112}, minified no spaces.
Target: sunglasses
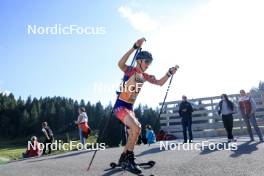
{"x":147,"y":61}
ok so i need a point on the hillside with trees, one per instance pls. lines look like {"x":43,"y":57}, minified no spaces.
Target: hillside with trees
{"x":22,"y":118}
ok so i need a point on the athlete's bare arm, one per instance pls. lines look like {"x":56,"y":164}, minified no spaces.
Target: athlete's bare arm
{"x":122,"y":62}
{"x":163,"y":80}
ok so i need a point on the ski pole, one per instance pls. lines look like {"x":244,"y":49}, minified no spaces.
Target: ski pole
{"x":167,"y":91}
{"x":108,"y":120}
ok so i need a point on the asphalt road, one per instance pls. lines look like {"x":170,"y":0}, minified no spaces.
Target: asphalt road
{"x":247,"y":160}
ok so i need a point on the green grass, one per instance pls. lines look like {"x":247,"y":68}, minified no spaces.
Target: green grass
{"x":12,"y":149}
{"x":13,"y":153}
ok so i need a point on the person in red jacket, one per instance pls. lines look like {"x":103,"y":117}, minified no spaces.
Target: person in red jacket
{"x":33,"y":148}
{"x":247,"y":109}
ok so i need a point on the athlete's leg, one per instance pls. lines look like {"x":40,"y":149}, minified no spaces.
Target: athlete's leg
{"x":128,"y":118}
{"x":134,"y":128}
{"x":129,"y":134}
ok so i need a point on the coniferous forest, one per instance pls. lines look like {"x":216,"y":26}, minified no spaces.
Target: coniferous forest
{"x":22,"y":118}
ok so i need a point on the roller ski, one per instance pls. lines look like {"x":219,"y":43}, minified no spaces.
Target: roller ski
{"x":127,"y":162}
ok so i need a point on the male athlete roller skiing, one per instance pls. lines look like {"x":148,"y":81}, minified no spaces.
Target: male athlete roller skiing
{"x":123,"y":108}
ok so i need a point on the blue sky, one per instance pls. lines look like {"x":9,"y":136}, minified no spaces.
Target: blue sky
{"x":197,"y":35}
{"x":59,"y":65}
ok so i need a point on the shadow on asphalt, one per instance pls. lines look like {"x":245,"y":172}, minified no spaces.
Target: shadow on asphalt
{"x":208,"y":150}
{"x":61,"y":156}
{"x":245,"y":148}
{"x":113,"y":171}
{"x":150,"y":151}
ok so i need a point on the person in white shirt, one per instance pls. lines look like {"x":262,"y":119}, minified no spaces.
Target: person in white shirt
{"x":82,"y":122}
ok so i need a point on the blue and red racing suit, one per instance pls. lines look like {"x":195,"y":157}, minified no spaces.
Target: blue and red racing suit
{"x":130,"y":90}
